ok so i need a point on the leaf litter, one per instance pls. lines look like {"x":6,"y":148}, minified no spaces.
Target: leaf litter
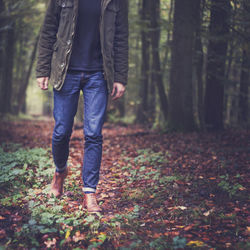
{"x":157,"y":191}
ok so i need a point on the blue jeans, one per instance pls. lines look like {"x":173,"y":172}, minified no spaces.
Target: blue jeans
{"x":95,"y":94}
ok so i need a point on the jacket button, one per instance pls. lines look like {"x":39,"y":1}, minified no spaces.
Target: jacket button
{"x":62,"y":65}
{"x":63,"y":5}
{"x":69,"y":42}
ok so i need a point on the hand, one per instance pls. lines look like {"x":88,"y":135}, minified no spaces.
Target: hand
{"x":42,"y":82}
{"x":118,"y":90}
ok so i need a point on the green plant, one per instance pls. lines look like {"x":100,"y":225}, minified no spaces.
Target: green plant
{"x":179,"y":242}
{"x":230,"y":188}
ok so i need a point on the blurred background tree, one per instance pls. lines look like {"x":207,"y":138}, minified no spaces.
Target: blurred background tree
{"x":188,"y":70}
{"x":19,"y":29}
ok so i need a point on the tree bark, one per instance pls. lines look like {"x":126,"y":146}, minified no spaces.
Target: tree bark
{"x":198,"y":62}
{"x":24,"y":85}
{"x":217,"y":52}
{"x":180,"y":93}
{"x":2,"y":54}
{"x":244,"y":85}
{"x":245,"y":68}
{"x":169,"y":32}
{"x":8,"y":70}
{"x":142,"y":110}
{"x":156,"y":63}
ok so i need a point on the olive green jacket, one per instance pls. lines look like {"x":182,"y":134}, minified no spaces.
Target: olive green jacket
{"x":57,"y":36}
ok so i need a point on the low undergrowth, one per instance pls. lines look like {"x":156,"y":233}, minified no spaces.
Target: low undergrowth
{"x":158,"y":207}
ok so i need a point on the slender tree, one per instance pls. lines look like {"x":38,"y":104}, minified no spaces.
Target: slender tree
{"x":198,"y":61}
{"x":244,"y":85}
{"x":142,"y":116}
{"x":7,"y":77}
{"x":169,"y":33}
{"x":245,"y":67}
{"x":217,"y":52}
{"x":156,"y":63}
{"x":25,"y":82}
{"x":180,"y":93}
{"x":2,"y":45}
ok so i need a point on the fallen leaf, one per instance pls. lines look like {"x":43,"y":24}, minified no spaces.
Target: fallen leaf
{"x":208,"y":212}
{"x":78,"y":236}
{"x":50,"y":243}
{"x":188,"y":227}
{"x":2,"y":233}
{"x":196,"y":243}
{"x":67,"y":234}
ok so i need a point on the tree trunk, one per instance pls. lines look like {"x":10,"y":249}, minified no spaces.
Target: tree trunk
{"x":2,"y":54}
{"x":8,"y":70}
{"x":23,"y":88}
{"x":245,"y":73}
{"x":152,"y":102}
{"x":198,"y":62}
{"x":217,"y":52}
{"x":2,"y":37}
{"x":170,"y":17}
{"x":180,"y":94}
{"x":244,"y":85}
{"x":145,"y":59}
{"x":156,"y":64}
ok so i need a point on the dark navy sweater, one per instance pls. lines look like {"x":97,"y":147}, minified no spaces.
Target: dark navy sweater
{"x":86,"y":52}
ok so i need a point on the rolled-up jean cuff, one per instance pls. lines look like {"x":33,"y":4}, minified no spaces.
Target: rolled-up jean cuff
{"x":88,"y":189}
{"x":60,"y":170}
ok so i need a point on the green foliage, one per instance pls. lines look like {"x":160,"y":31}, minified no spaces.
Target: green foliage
{"x":147,"y":155}
{"x":179,"y":242}
{"x":230,"y":188}
{"x":140,"y":171}
{"x":47,"y":218}
{"x":16,"y":173}
{"x":115,"y":118}
{"x":159,"y":244}
{"x":25,"y":171}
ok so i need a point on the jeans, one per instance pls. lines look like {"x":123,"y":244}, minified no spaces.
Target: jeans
{"x":95,"y":93}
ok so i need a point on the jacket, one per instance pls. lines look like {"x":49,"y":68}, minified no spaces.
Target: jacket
{"x":57,"y":37}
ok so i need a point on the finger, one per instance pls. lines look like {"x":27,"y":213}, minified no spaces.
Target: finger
{"x":118,"y":95}
{"x":113,"y":91}
{"x":41,"y":83}
{"x":122,"y":93}
{"x":46,"y":83}
{"x":115,"y":97}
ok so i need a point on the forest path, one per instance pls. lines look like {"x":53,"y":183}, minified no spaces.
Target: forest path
{"x":154,"y":187}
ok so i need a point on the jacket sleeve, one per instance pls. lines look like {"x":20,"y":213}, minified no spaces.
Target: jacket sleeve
{"x":47,"y":39}
{"x":121,"y":44}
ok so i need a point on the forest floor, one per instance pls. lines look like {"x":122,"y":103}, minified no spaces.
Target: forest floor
{"x":157,"y":190}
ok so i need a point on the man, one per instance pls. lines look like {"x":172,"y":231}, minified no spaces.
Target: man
{"x":83,"y":46}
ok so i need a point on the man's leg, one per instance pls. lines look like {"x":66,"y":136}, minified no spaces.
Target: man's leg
{"x":65,"y":107}
{"x":95,"y":104}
